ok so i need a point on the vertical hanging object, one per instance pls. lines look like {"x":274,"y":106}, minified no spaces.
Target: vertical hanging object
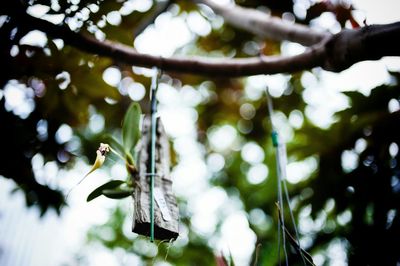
{"x":156,"y":211}
{"x":153,"y":137}
{"x":166,"y":213}
{"x":281,"y":162}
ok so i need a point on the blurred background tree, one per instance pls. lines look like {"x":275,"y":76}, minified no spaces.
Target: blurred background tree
{"x":56,"y":101}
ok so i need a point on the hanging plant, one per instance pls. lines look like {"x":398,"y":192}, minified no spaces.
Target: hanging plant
{"x":147,"y":158}
{"x":118,"y":189}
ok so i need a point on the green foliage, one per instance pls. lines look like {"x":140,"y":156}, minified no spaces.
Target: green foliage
{"x":101,"y":190}
{"x":130,"y":127}
{"x":117,"y":193}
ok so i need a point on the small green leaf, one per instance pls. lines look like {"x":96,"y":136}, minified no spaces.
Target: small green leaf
{"x":117,"y":193}
{"x":130,"y":127}
{"x":99,"y":191}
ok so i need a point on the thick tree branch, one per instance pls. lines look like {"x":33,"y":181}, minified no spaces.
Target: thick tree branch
{"x":368,"y":43}
{"x":336,"y":53}
{"x":265,"y":26}
{"x":194,"y":65}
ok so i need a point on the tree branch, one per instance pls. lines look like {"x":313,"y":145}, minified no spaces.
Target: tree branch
{"x":368,"y":43}
{"x":336,"y":53}
{"x":266,"y":26}
{"x":194,"y":65}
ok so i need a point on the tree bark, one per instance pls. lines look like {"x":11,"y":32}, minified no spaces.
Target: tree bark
{"x":336,"y":53}
{"x":368,"y":43}
{"x":166,"y":213}
{"x":264,"y":25}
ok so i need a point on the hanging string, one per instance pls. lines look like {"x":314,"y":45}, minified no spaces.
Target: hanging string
{"x":168,"y":247}
{"x":281,"y":162}
{"x":153,"y":127}
{"x":296,"y":231}
{"x":158,"y":250}
{"x":281,"y":220}
{"x":279,"y":240}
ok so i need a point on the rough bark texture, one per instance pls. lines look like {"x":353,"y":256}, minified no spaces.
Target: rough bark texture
{"x":368,"y":43}
{"x":164,"y":228}
{"x":264,"y":25}
{"x":335,"y":53}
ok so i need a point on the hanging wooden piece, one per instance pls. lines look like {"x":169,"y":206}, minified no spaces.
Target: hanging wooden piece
{"x":166,"y":213}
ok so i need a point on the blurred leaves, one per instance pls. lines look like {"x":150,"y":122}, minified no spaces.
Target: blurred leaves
{"x":341,"y":10}
{"x":20,"y":143}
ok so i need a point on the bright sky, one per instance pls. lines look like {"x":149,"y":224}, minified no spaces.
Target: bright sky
{"x":379,"y":12}
{"x":177,"y":110}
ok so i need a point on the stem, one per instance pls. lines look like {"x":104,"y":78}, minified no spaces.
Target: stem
{"x":116,"y":153}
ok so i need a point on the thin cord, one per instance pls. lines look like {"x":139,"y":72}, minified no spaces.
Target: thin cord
{"x":281,"y":170}
{"x":153,"y":110}
{"x":258,"y":247}
{"x":158,"y":249}
{"x":279,"y":239}
{"x":270,"y":108}
{"x":283,"y":155}
{"x":293,"y":221}
{"x":276,"y":144}
{"x":281,"y":206}
{"x":168,"y":247}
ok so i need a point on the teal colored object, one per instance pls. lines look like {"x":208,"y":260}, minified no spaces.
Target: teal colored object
{"x":153,"y":111}
{"x":281,"y":174}
{"x":275,"y":139}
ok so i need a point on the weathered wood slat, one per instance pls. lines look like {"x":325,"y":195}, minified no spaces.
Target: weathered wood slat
{"x":166,"y":212}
